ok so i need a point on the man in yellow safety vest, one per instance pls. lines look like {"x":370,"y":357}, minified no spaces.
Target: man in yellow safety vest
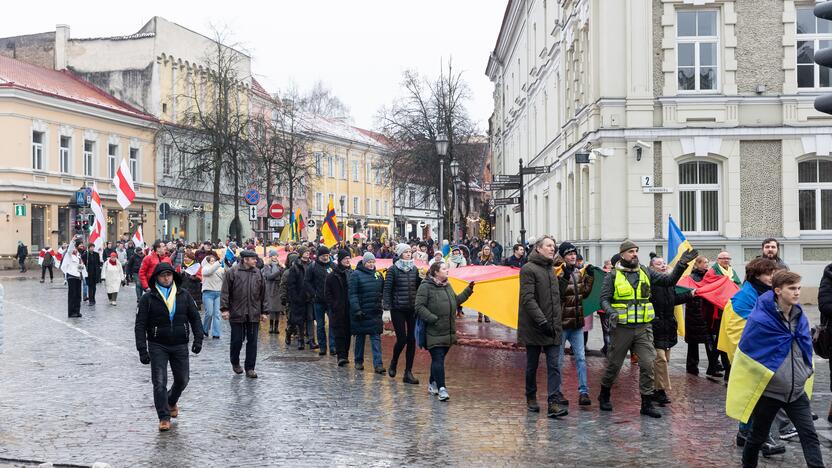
{"x":625,"y":297}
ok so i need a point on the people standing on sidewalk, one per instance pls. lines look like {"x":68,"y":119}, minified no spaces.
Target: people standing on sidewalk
{"x":298,"y":297}
{"x":315,"y":277}
{"x":212,"y":278}
{"x":400,"y":285}
{"x":159,"y":254}
{"x":436,"y":305}
{"x":93,"y":263}
{"x":165,"y":317}
{"x":539,"y":324}
{"x":625,"y":297}
{"x":698,"y":313}
{"x":365,"y":288}
{"x":338,"y":301}
{"x":517,"y":258}
{"x":75,"y":270}
{"x":22,"y":253}
{"x":575,"y":285}
{"x":665,"y":328}
{"x":777,"y":345}
{"x":133,"y":267}
{"x":242,"y":303}
{"x":47,"y":262}
{"x":113,"y":275}
{"x":273,"y":272}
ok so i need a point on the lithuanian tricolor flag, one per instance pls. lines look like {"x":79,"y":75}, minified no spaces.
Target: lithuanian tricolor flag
{"x":764,"y":345}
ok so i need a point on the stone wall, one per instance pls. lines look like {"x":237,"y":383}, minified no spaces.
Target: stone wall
{"x":657,"y":181}
{"x":761,"y":190}
{"x":37,"y":49}
{"x":131,"y":86}
{"x":759,"y":51}
{"x":658,"y":52}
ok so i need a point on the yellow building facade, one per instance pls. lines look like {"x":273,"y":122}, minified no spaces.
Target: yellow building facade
{"x":60,"y":134}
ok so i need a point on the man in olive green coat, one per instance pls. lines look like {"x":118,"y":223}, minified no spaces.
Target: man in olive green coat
{"x":539,"y":323}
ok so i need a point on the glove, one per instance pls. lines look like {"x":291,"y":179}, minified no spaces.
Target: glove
{"x":471,"y":285}
{"x":547,"y":329}
{"x":689,"y":256}
{"x":360,"y":316}
{"x":196,"y":347}
{"x":144,"y":358}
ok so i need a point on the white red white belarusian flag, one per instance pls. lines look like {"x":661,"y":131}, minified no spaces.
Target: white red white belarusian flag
{"x":125,"y":192}
{"x":138,"y":237}
{"x":99,"y":229}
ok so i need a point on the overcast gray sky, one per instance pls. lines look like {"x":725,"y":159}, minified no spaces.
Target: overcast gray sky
{"x":358,"y":48}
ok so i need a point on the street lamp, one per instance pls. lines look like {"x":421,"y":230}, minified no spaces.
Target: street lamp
{"x":454,"y":209}
{"x":441,"y":150}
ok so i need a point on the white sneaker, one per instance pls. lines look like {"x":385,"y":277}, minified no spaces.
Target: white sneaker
{"x":432,"y":389}
{"x":443,"y":394}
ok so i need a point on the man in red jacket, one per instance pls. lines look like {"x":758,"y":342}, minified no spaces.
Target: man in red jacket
{"x":149,"y":263}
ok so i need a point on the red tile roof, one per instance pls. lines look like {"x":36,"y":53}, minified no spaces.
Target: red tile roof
{"x":259,"y":89}
{"x":62,"y":85}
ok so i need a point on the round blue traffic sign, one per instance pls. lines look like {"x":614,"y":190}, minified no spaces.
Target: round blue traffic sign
{"x":252,"y":196}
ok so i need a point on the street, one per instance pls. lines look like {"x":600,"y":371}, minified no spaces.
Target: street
{"x":74,"y":392}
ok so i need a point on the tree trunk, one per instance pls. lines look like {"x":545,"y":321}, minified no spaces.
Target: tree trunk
{"x":215,"y":213}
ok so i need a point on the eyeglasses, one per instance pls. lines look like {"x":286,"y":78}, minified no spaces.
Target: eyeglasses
{"x":723,"y":258}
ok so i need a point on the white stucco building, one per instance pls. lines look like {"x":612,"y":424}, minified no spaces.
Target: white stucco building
{"x":711,"y":100}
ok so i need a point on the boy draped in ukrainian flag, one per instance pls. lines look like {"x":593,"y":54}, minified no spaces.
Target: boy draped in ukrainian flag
{"x":772,"y":369}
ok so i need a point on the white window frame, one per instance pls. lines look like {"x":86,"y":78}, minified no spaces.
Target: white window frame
{"x":356,"y":206}
{"x":342,"y":164}
{"x":356,"y":170}
{"x":65,"y":154}
{"x":37,"y":151}
{"x":816,"y":187}
{"x":696,"y":40}
{"x":386,"y":207}
{"x":368,"y":206}
{"x":411,"y":194}
{"x":112,"y":160}
{"x":319,"y":197}
{"x":89,"y":158}
{"x":698,"y":189}
{"x":815,"y":38}
{"x":167,"y":159}
{"x":330,"y":166}
{"x":378,"y":207}
{"x":319,"y":169}
{"x":369,"y":177}
{"x":133,"y":163}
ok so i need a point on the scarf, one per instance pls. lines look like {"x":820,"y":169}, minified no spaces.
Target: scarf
{"x":437,"y":282}
{"x":113,"y":261}
{"x":458,"y":259}
{"x":759,"y":286}
{"x":169,"y":297}
{"x":624,"y":265}
{"x":404,"y":265}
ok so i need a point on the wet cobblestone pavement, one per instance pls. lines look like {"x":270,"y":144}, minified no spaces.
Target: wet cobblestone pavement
{"x":74,"y":392}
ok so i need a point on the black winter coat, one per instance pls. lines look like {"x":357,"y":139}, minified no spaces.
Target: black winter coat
{"x":696,"y":327}
{"x":296,"y":292}
{"x":400,"y":289}
{"x":134,"y":263}
{"x":22,"y":252}
{"x":93,"y":264}
{"x":539,"y":318}
{"x":366,"y":287}
{"x":515,"y":262}
{"x":825,"y":294}
{"x":153,"y":321}
{"x":664,"y":299}
{"x":338,"y":300}
{"x":315,"y":278}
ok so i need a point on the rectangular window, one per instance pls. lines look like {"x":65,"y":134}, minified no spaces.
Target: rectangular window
{"x":812,"y":34}
{"x":699,"y":197}
{"x":89,"y":161}
{"x":367,"y":207}
{"x":386,"y":206}
{"x":167,"y":159}
{"x":134,"y":164}
{"x":342,"y":164}
{"x":343,"y":205}
{"x":64,"y":153}
{"x":378,"y":207}
{"x":356,"y":170}
{"x":697,"y":50}
{"x":37,"y":151}
{"x":112,"y":152}
{"x":330,"y":166}
{"x":355,"y":205}
{"x":412,"y":198}
{"x":319,"y":204}
{"x":369,"y":173}
{"x":378,"y":176}
{"x":319,"y":168}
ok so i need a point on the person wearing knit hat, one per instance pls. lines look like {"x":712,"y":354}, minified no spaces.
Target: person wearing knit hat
{"x":626,"y":300}
{"x":565,"y":248}
{"x":282,"y":297}
{"x":273,"y":272}
{"x":315,"y":281}
{"x":298,"y":298}
{"x":365,"y":288}
{"x":368,"y":257}
{"x":338,"y":302}
{"x":400,"y":285}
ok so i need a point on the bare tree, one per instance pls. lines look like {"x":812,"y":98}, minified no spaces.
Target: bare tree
{"x":413,"y":123}
{"x":321,"y":101}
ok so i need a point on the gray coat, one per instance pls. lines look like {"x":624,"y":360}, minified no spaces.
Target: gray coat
{"x":273,"y":273}
{"x":243,"y":294}
{"x":656,"y":279}
{"x":790,"y":378}
{"x":539,"y":319}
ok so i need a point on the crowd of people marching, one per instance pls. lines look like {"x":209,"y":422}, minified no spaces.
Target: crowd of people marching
{"x":333,"y":304}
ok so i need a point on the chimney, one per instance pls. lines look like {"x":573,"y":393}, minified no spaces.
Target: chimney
{"x":61,"y":40}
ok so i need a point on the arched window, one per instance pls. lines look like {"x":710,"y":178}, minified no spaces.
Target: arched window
{"x":699,"y":197}
{"x":814,"y":183}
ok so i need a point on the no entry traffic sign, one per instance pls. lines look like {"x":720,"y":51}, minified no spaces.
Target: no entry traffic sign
{"x":276,"y":211}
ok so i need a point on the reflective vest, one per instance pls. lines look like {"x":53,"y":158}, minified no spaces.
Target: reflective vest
{"x":632,"y":305}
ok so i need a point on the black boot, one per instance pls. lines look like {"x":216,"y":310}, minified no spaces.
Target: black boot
{"x":271,"y":326}
{"x":604,"y":399}
{"x":391,"y":371}
{"x":772,"y":447}
{"x":409,"y":379}
{"x":660,"y":396}
{"x":532,"y":405}
{"x":555,"y":410}
{"x":647,"y":408}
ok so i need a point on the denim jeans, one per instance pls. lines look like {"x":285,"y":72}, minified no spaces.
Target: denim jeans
{"x":799,"y":412}
{"x":437,"y":365}
{"x":375,"y":344}
{"x":246,"y":331}
{"x":139,"y":290}
{"x":576,"y":339}
{"x":211,"y":321}
{"x":160,"y":356}
{"x":321,"y":314}
{"x":552,"y":369}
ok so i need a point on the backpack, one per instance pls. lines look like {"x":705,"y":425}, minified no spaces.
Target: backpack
{"x":822,"y":341}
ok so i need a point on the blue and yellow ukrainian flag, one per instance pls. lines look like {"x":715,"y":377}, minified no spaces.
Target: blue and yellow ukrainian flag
{"x":677,"y":244}
{"x":734,"y":316}
{"x":292,"y":227}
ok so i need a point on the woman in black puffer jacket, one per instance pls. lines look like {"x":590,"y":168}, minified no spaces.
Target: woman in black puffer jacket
{"x":665,"y":335}
{"x":365,"y":289}
{"x":400,"y":287}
